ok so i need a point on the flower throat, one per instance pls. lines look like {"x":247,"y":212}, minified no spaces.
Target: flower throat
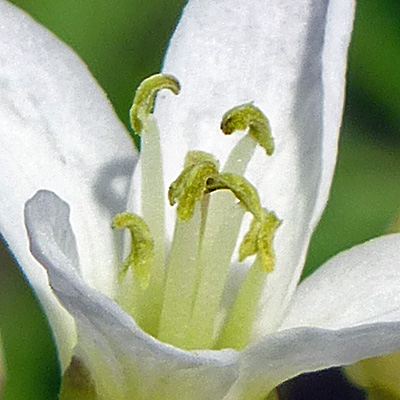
{"x":176,"y":296}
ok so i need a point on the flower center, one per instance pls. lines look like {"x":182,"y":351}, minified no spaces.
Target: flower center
{"x":176,"y":296}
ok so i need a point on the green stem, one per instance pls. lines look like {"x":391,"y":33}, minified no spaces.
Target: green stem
{"x":181,"y":281}
{"x":237,"y":329}
{"x":219,"y":241}
{"x":153,"y":203}
{"x":240,"y":155}
{"x":224,"y":218}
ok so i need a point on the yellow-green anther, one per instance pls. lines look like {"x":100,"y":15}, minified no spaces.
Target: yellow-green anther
{"x":190,"y":187}
{"x":242,"y":189}
{"x":248,"y":116}
{"x":193,"y":158}
{"x":141,"y":256}
{"x":249,"y":245}
{"x":258,"y":240}
{"x":265,"y":239}
{"x":197,"y":156}
{"x":145,"y":96}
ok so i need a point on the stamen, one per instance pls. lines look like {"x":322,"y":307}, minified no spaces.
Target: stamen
{"x":145,"y":96}
{"x":237,"y":328}
{"x":187,"y":190}
{"x":219,"y":240}
{"x":251,"y":117}
{"x":191,"y":184}
{"x":265,"y":246}
{"x":260,"y":235}
{"x":181,"y":281}
{"x":224,"y":218}
{"x":180,"y":306}
{"x":243,"y":190}
{"x":240,"y":155}
{"x":141,"y":256}
{"x":258,"y":240}
{"x":147,"y":304}
{"x":195,"y":181}
{"x":249,"y":245}
{"x":196,"y":157}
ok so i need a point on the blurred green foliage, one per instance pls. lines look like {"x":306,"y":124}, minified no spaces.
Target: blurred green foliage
{"x":373,"y":95}
{"x":123,"y":41}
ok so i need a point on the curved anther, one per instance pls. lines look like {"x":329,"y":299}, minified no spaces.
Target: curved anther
{"x":248,"y":116}
{"x":201,"y":176}
{"x":145,"y":96}
{"x":241,"y":188}
{"x":197,"y":156}
{"x":141,"y":256}
{"x":191,"y":184}
{"x":258,"y":240}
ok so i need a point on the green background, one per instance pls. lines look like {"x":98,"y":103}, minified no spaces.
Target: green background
{"x":123,"y":41}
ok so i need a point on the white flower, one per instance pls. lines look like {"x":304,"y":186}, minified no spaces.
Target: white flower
{"x":59,"y":139}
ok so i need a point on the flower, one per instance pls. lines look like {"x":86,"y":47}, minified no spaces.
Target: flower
{"x":67,"y":161}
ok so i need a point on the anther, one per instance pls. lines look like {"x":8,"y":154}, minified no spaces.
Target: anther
{"x":145,"y":96}
{"x":191,"y":184}
{"x":248,"y":116}
{"x":196,"y":157}
{"x":141,"y":256}
{"x":241,"y":188}
{"x":258,"y":240}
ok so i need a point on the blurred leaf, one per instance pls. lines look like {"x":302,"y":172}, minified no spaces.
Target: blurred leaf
{"x":31,"y":361}
{"x":374,"y":72}
{"x":364,"y":200}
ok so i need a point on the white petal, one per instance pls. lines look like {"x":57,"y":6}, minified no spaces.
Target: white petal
{"x":289,"y":58}
{"x":57,"y":132}
{"x":283,"y":355}
{"x":358,"y":286}
{"x":125,"y":362}
{"x":49,"y":230}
